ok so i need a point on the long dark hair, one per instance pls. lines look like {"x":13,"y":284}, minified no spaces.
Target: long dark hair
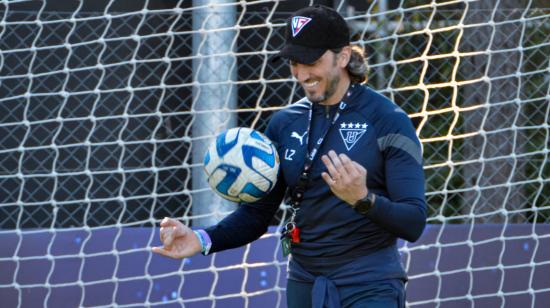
{"x":357,"y":66}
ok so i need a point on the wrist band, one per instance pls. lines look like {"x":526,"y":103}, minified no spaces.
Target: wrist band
{"x":205,"y":241}
{"x":201,"y":240}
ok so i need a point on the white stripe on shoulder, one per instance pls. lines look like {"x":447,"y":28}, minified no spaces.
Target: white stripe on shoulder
{"x":304,"y":102}
{"x":299,"y":107}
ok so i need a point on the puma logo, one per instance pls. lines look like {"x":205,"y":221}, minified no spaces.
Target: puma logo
{"x":297,"y":136}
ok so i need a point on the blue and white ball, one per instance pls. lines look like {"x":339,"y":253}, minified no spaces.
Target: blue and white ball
{"x":242,"y":165}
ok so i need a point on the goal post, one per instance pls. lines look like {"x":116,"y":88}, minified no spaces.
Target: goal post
{"x":106,"y":108}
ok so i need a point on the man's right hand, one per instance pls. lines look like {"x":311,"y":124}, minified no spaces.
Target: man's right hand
{"x":178,"y":240}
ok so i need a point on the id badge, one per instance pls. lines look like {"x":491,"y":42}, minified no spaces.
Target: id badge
{"x":285,"y":245}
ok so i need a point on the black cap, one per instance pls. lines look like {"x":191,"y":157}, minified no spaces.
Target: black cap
{"x":311,"y":31}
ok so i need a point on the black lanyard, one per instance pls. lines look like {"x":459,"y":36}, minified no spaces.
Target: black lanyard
{"x":294,"y":198}
{"x":310,"y":157}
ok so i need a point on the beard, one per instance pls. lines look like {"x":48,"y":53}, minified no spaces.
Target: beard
{"x":332,"y":85}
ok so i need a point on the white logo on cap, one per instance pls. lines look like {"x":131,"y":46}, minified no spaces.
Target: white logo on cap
{"x":298,"y":23}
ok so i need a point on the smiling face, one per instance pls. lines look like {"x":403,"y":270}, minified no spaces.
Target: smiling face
{"x":326,"y":80}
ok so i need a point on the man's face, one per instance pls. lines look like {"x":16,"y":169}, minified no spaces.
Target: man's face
{"x":320,"y":80}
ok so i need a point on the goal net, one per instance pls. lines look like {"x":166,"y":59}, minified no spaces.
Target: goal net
{"x":106,"y":108}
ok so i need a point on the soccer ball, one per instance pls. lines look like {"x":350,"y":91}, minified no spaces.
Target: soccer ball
{"x":242,"y":165}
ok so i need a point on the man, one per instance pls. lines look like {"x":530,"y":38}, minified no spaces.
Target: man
{"x":353,"y":168}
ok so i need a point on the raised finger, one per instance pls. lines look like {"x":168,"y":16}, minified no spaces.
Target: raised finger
{"x":328,"y":179}
{"x":348,"y":165}
{"x":330,"y":167}
{"x":337,"y":162}
{"x":360,"y":168}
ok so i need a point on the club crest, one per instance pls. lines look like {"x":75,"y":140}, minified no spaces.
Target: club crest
{"x":351,"y":133}
{"x":298,"y":23}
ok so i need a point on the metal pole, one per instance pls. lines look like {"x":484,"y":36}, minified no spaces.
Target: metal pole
{"x":381,"y":55}
{"x":214,"y":96}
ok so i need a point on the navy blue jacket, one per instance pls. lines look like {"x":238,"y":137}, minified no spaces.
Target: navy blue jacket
{"x":372,"y":131}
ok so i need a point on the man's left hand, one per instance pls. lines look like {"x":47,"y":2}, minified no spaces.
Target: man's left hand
{"x":346,"y":178}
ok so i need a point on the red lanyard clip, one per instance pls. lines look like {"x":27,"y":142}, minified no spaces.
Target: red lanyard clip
{"x":295,"y":235}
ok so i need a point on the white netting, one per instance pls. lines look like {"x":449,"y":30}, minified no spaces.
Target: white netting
{"x":106,"y":107}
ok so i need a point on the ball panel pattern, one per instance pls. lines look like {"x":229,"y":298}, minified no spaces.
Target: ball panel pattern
{"x":242,"y":165}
